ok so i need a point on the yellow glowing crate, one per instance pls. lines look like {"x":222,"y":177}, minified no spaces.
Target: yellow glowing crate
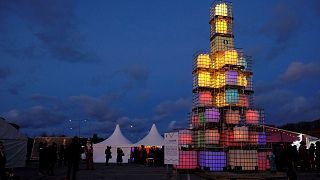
{"x":221,"y":9}
{"x":221,"y":26}
{"x":220,"y":99}
{"x":203,"y":61}
{"x":219,"y":80}
{"x":202,"y":79}
{"x":242,"y":80}
{"x":225,"y":57}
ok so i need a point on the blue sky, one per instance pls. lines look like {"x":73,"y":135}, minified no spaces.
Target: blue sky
{"x":130,"y":62}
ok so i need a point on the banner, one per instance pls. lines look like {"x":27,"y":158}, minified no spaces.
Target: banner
{"x":171,"y":148}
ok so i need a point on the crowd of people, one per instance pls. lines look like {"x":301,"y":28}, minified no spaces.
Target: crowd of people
{"x":47,"y":158}
{"x":69,"y":156}
{"x":291,"y":158}
{"x":284,"y":157}
{"x":142,"y":155}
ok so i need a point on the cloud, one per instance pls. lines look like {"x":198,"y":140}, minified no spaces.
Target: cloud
{"x":51,"y":27}
{"x":100,"y":108}
{"x":42,"y":98}
{"x":35,"y":117}
{"x":283,"y":22}
{"x":176,"y":125}
{"x":298,"y":71}
{"x":137,"y":72}
{"x":16,"y":88}
{"x":283,"y":106}
{"x":273,"y":97}
{"x":4,"y":73}
{"x":143,"y":95}
{"x":315,"y":5}
{"x":133,"y":125}
{"x":293,"y":74}
{"x":169,"y":107}
{"x":282,"y":25}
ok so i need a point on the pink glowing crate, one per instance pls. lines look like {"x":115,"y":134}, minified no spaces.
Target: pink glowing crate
{"x":252,"y":117}
{"x":187,"y":160}
{"x":185,"y":137}
{"x":263,"y":162}
{"x":195,"y":120}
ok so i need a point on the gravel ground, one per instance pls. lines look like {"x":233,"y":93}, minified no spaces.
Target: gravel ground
{"x":140,"y":172}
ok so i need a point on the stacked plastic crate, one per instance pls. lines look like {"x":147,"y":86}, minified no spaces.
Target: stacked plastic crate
{"x":226,"y":131}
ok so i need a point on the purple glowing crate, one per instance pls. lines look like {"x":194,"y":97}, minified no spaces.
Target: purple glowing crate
{"x":262,"y":138}
{"x":214,"y":161}
{"x":232,"y":77}
{"x":212,"y":115}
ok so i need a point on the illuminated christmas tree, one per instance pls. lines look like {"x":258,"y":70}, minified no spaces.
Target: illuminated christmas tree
{"x":226,"y":130}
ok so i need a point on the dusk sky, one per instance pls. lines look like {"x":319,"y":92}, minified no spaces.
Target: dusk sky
{"x":130,"y":62}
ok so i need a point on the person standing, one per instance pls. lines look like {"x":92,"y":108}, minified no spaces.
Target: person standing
{"x":89,"y":155}
{"x":272,"y":162}
{"x":317,"y":152}
{"x":73,"y":158}
{"x":107,"y":152}
{"x":119,"y":156}
{"x":41,"y":158}
{"x":3,"y":161}
{"x":52,"y":158}
{"x":143,"y":154}
{"x":311,"y":156}
{"x":61,"y":155}
{"x":303,"y":155}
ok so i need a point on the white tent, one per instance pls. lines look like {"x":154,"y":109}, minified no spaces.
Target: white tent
{"x":15,"y":145}
{"x":152,"y":139}
{"x":115,"y":140}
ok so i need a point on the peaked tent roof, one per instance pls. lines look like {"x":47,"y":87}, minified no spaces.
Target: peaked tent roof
{"x":152,"y":139}
{"x":116,"y":139}
{"x":15,"y":145}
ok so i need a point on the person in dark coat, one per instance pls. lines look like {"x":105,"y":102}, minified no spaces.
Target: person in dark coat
{"x":143,"y":154}
{"x":52,"y":158}
{"x":119,"y":156}
{"x":107,"y":152}
{"x":61,"y":154}
{"x":3,"y":161}
{"x":73,"y":152}
{"x":291,"y":173}
{"x":136,"y":155}
{"x":89,"y":155}
{"x":295,"y":156}
{"x":311,"y":156}
{"x":303,"y":155}
{"x":41,"y":152}
{"x":317,"y":161}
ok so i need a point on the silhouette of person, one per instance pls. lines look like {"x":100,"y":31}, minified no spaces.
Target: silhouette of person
{"x":143,"y":154}
{"x":119,"y":156}
{"x":303,"y":155}
{"x":292,"y":175}
{"x":52,"y":158}
{"x":73,"y":158}
{"x":311,"y":156}
{"x":3,"y":162}
{"x":317,"y":152}
{"x":89,"y":155}
{"x":108,"y":154}
{"x":41,"y":158}
{"x":61,"y":155}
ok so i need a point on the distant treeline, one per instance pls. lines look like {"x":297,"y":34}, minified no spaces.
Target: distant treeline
{"x":307,"y":127}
